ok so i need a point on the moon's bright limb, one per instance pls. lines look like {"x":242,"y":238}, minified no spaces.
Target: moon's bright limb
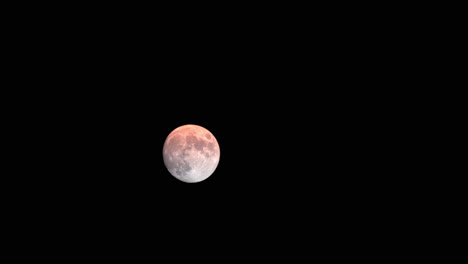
{"x":191,"y":153}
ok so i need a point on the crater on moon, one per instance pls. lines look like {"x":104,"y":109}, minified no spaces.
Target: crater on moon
{"x":191,"y":153}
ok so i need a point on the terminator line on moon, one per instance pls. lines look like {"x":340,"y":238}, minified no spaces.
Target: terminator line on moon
{"x":191,"y":153}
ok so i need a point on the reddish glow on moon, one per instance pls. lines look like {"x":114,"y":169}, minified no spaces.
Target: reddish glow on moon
{"x":191,"y":153}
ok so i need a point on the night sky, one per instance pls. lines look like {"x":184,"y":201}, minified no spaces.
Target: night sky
{"x":324,"y":150}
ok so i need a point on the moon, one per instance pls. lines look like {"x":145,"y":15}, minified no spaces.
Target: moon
{"x":191,"y":153}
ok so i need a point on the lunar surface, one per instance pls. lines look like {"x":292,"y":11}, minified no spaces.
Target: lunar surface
{"x":191,"y":153}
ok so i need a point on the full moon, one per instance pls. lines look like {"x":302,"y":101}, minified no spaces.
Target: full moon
{"x":191,"y":153}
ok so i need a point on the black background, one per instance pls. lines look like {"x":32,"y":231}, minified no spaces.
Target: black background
{"x":323,"y":125}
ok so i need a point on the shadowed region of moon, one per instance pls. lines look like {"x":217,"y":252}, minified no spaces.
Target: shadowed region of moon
{"x":191,"y":153}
